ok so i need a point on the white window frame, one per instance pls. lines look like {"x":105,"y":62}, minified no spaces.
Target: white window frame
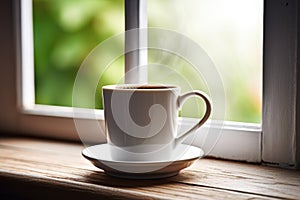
{"x":239,"y":141}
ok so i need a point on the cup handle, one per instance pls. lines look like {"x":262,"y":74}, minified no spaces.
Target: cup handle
{"x":180,"y":101}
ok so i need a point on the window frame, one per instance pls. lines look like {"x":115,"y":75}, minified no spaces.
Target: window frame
{"x":239,"y":141}
{"x":281,"y":85}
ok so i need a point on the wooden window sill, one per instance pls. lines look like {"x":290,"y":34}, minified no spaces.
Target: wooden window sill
{"x":36,"y":168}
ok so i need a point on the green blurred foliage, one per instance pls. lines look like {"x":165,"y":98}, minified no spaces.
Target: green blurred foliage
{"x":65,"y":32}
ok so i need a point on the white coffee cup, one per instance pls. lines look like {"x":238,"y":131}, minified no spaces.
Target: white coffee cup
{"x":141,"y":120}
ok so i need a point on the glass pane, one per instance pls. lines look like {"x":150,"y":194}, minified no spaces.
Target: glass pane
{"x":230,"y":31}
{"x":65,"y":32}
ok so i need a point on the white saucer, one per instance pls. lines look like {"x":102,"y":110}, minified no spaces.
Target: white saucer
{"x":99,"y":156}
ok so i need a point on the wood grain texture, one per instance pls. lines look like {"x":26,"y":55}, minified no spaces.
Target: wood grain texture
{"x":35,"y":168}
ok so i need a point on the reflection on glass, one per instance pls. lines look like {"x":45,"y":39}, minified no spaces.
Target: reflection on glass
{"x":231,"y":33}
